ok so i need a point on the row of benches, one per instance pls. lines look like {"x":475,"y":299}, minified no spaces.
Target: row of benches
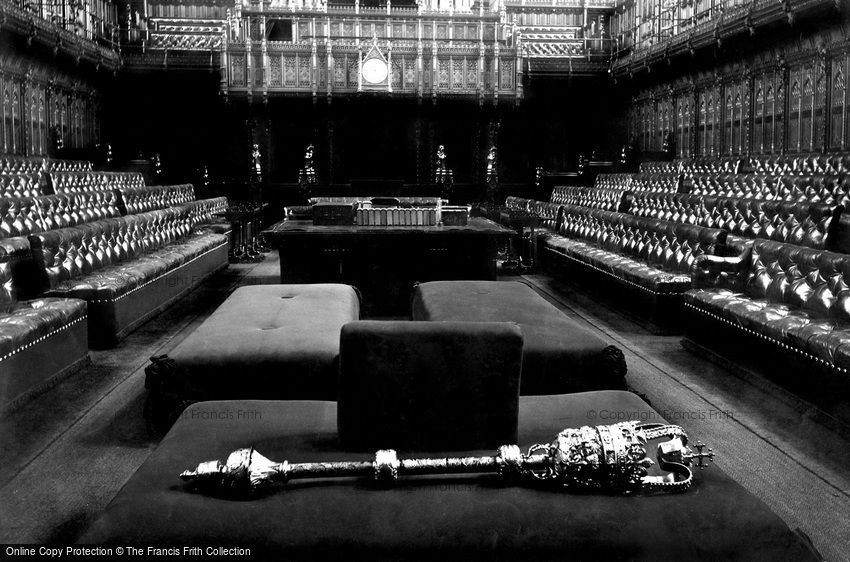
{"x":820,"y":225}
{"x":80,"y":270}
{"x":780,"y":165}
{"x":28,"y":215}
{"x":823,"y":187}
{"x":765,"y":269}
{"x":34,"y":184}
{"x":34,"y":165}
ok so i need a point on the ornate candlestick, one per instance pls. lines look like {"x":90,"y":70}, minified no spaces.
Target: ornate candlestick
{"x":605,"y":458}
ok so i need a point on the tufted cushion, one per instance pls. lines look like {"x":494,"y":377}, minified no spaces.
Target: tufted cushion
{"x":665,"y":182}
{"x":653,"y":254}
{"x":10,"y":165}
{"x":20,"y":185}
{"x":800,"y":223}
{"x":80,"y":181}
{"x":595,"y":198}
{"x":614,"y":181}
{"x":277,"y":341}
{"x":107,"y":258}
{"x":135,"y":200}
{"x":793,"y":295}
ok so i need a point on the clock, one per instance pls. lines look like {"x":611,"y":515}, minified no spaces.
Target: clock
{"x":374,"y":71}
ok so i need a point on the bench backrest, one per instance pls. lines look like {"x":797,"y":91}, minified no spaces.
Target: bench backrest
{"x":811,"y":164}
{"x":71,"y":253}
{"x":808,"y":224}
{"x":669,"y":182}
{"x":814,"y":280}
{"x":549,"y":214}
{"x":592,"y":197}
{"x":12,"y":252}
{"x":150,"y":198}
{"x":809,"y":188}
{"x":520,"y":204}
{"x":75,"y":182}
{"x":29,"y":215}
{"x":614,"y":181}
{"x":662,"y":244}
{"x":20,"y":185}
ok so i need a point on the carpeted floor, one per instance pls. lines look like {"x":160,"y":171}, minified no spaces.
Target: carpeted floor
{"x":67,"y":452}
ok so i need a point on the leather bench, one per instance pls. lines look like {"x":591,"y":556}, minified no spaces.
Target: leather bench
{"x":75,"y":182}
{"x":813,"y":224}
{"x":798,"y":188}
{"x":649,"y":258}
{"x":40,"y":339}
{"x":20,"y":185}
{"x":21,"y":216}
{"x":275,"y":341}
{"x":614,"y":181}
{"x":558,"y":355}
{"x":592,"y":197}
{"x":428,"y":518}
{"x":127,"y":268}
{"x":832,"y":164}
{"x":151,"y":198}
{"x":783,"y":305}
{"x":669,"y":182}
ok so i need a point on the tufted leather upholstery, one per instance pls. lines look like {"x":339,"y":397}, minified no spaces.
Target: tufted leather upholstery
{"x":670,"y":183}
{"x":19,"y":217}
{"x":75,"y":182}
{"x":651,"y":254}
{"x":809,"y":188}
{"x":24,"y":323}
{"x":105,"y":259}
{"x":20,"y":185}
{"x":614,"y":181}
{"x":519,"y":204}
{"x":793,"y":296}
{"x":20,"y":165}
{"x":806,"y":224}
{"x":726,"y":164}
{"x":595,"y":198}
{"x":203,"y":212}
{"x":801,"y":165}
{"x":639,"y":182}
{"x":52,"y":165}
{"x":37,"y":164}
{"x":673,"y":167}
{"x":549,"y":214}
{"x":29,"y":215}
{"x":142,"y":199}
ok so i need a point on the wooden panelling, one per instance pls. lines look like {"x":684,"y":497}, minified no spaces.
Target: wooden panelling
{"x":37,"y":110}
{"x":759,"y":106}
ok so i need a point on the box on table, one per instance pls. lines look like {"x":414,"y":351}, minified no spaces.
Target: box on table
{"x":454,"y":215}
{"x":333,"y":213}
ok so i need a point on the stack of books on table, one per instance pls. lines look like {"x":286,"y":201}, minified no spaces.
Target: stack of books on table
{"x":397,"y":216}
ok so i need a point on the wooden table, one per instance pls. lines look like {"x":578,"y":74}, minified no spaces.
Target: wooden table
{"x":384,"y":262}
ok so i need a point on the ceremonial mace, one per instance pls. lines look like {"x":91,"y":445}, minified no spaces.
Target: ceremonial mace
{"x":605,"y":458}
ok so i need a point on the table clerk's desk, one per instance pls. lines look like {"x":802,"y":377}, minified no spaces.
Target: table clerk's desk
{"x":384,"y":262}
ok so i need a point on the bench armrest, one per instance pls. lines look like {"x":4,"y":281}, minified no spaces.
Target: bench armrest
{"x":718,"y":271}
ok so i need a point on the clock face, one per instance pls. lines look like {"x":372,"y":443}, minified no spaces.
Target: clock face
{"x":374,"y":71}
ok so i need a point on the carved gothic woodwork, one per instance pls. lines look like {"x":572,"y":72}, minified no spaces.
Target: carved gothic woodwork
{"x":759,"y":106}
{"x":343,"y":50}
